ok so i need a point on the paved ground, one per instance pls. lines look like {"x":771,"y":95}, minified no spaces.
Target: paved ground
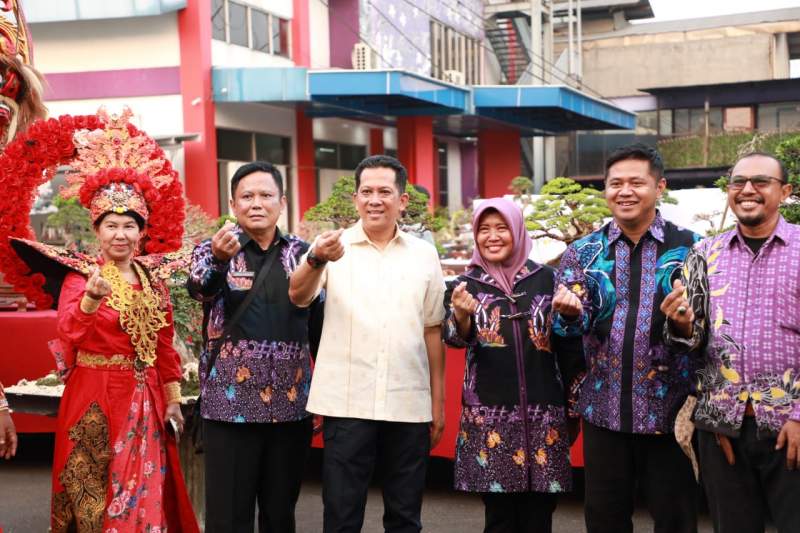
{"x":25,"y":500}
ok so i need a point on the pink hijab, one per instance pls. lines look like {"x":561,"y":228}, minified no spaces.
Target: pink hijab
{"x":505,"y":272}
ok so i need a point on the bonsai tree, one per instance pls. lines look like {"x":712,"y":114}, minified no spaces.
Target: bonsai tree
{"x":338,"y":208}
{"x":566,"y":211}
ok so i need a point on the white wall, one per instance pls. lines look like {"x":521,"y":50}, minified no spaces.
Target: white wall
{"x":282,"y":8}
{"x":156,"y":115}
{"x":320,"y":34}
{"x":231,"y":55}
{"x":341,"y":131}
{"x":106,"y":44}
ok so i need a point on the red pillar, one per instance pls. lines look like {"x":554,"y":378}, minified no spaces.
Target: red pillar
{"x":499,"y":161}
{"x":306,"y":176}
{"x":301,"y":34}
{"x":376,"y":141}
{"x":202,"y":181}
{"x":415,"y":149}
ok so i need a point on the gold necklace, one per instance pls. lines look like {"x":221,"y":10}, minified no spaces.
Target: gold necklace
{"x":140,"y":314}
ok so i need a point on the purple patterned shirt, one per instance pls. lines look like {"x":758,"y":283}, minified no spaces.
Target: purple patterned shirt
{"x":263,"y":371}
{"x":634,"y":383}
{"x":753,"y":350}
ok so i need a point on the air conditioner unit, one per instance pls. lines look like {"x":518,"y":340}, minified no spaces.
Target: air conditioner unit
{"x":362,"y":57}
{"x":456,"y":77}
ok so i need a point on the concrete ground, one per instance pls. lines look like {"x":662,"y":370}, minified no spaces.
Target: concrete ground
{"x":25,"y":499}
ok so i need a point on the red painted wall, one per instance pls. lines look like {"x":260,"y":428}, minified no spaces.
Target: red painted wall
{"x":376,"y":141}
{"x":301,"y":36}
{"x":499,"y":161}
{"x":306,"y":174}
{"x":415,"y":149}
{"x":202,"y":181}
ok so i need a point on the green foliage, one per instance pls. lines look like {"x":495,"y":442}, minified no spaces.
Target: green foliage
{"x":339,"y":209}
{"x":687,"y":152}
{"x":566,"y":211}
{"x":73,"y":220}
{"x":788,"y":152}
{"x":521,"y":185}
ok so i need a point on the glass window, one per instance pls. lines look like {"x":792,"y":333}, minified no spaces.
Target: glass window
{"x":272,"y":148}
{"x":391,"y":151}
{"x":665,"y":122}
{"x":681,"y":122}
{"x":326,"y":155}
{"x":237,"y":20}
{"x":234,"y":145}
{"x":280,"y":36}
{"x":351,"y":155}
{"x":780,"y":117}
{"x":646,"y":122}
{"x":443,"y":184}
{"x":218,"y":19}
{"x":260,"y":30}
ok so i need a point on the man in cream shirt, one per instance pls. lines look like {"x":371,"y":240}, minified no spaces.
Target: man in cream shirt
{"x":379,"y":375}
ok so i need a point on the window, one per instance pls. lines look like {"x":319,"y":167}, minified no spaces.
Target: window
{"x":441,"y":149}
{"x":340,"y":156}
{"x":452,"y":51}
{"x":665,"y":122}
{"x":235,"y":145}
{"x":280,"y":36}
{"x":272,"y":148}
{"x":646,"y":123}
{"x":237,"y":24}
{"x":260,"y":25}
{"x":243,"y":25}
{"x":218,"y":19}
{"x":780,"y":117}
{"x":693,"y":121}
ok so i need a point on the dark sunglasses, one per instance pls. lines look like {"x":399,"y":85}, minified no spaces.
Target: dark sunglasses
{"x":759,"y":182}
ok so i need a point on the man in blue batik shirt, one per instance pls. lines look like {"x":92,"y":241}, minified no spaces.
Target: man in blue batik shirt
{"x":612,"y":284}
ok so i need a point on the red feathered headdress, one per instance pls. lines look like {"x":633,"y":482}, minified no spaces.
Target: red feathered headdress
{"x":114,"y":167}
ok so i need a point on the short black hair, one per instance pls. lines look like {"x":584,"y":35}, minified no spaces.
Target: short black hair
{"x":384,"y":161}
{"x":639,"y":152}
{"x":784,"y":173}
{"x":133,"y":214}
{"x":256,"y":166}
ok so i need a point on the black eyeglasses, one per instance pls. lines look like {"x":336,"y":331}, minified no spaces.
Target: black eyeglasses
{"x":759,"y":182}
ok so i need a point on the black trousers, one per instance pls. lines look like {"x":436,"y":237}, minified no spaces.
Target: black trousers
{"x":616,"y":462}
{"x":248,"y":462}
{"x":758,"y":483}
{"x":353,"y":447}
{"x":519,"y":512}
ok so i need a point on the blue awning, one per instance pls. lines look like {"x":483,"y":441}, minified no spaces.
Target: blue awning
{"x":273,"y":85}
{"x":385,"y":93}
{"x":549,"y":109}
{"x":381,"y":95}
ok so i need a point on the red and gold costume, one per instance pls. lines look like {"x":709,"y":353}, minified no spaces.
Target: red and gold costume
{"x":116,"y":466}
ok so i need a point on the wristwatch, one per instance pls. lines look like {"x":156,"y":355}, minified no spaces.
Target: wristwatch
{"x":314,"y":261}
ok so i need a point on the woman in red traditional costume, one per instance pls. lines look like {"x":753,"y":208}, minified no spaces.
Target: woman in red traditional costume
{"x":116,"y":465}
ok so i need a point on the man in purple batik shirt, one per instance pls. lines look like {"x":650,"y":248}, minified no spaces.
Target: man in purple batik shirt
{"x":634,"y":384}
{"x":256,"y":430}
{"x":745,"y":287}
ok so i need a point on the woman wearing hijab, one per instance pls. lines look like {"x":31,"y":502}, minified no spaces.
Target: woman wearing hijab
{"x":513,"y":443}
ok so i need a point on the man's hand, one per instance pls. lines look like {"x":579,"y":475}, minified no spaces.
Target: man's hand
{"x":97,"y":287}
{"x":678,"y":310}
{"x":225,"y":243}
{"x":464,"y":305}
{"x":328,"y":246}
{"x":173,"y":412}
{"x":437,"y":424}
{"x":790,"y":438}
{"x":567,"y":303}
{"x":8,"y":436}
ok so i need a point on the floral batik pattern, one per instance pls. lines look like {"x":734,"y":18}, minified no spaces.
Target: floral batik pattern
{"x":492,"y":454}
